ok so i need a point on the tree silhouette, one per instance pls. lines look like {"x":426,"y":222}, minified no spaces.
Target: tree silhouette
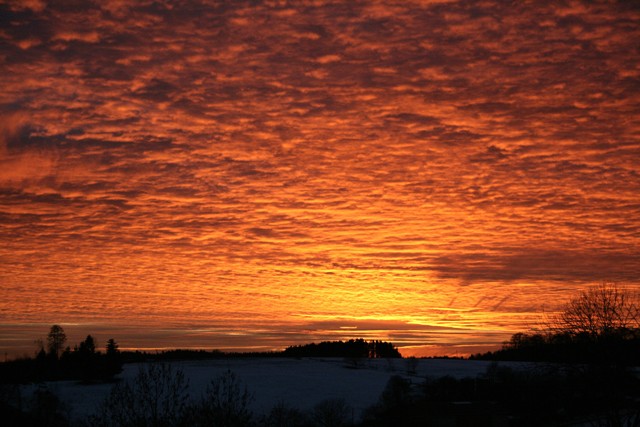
{"x":84,"y":361}
{"x":225,"y":403}
{"x":88,"y":346}
{"x":157,"y":396}
{"x":56,"y":340}
{"x":600,"y":326}
{"x":113,"y":360}
{"x":599,"y":312}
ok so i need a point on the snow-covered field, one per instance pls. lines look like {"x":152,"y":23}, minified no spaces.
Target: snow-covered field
{"x":299,"y":383}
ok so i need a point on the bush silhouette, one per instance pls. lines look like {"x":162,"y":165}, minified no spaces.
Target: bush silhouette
{"x":282,"y":415}
{"x":157,"y":396}
{"x":225,"y":403}
{"x":332,"y":413}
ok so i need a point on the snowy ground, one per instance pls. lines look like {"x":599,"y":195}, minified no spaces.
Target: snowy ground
{"x":299,"y":383}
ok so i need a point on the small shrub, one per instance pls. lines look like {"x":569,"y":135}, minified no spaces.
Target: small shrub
{"x":332,"y":413}
{"x":282,"y":415}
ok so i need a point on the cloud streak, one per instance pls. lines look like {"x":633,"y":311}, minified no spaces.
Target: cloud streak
{"x":219,"y":161}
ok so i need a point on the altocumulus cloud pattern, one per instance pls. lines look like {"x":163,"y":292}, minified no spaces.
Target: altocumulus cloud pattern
{"x":242,"y":174}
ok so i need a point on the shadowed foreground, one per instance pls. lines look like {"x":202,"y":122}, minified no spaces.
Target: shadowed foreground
{"x":331,"y":392}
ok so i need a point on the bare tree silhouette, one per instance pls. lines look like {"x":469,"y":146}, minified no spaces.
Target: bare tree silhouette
{"x":600,"y":311}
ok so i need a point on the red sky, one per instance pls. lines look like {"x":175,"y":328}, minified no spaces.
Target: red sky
{"x":249,"y":175}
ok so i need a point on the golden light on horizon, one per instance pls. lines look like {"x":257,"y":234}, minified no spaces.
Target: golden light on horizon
{"x":238,"y":176}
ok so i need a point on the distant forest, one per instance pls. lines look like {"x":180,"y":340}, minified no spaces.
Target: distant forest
{"x":352,"y":348}
{"x":84,"y":362}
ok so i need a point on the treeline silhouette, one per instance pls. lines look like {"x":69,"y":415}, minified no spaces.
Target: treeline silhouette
{"x":619,"y":347}
{"x":354,"y":348}
{"x":56,"y":362}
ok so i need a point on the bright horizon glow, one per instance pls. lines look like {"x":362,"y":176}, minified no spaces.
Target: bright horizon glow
{"x":238,"y":176}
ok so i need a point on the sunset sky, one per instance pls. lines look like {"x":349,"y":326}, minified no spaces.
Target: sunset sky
{"x":246,"y":175}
